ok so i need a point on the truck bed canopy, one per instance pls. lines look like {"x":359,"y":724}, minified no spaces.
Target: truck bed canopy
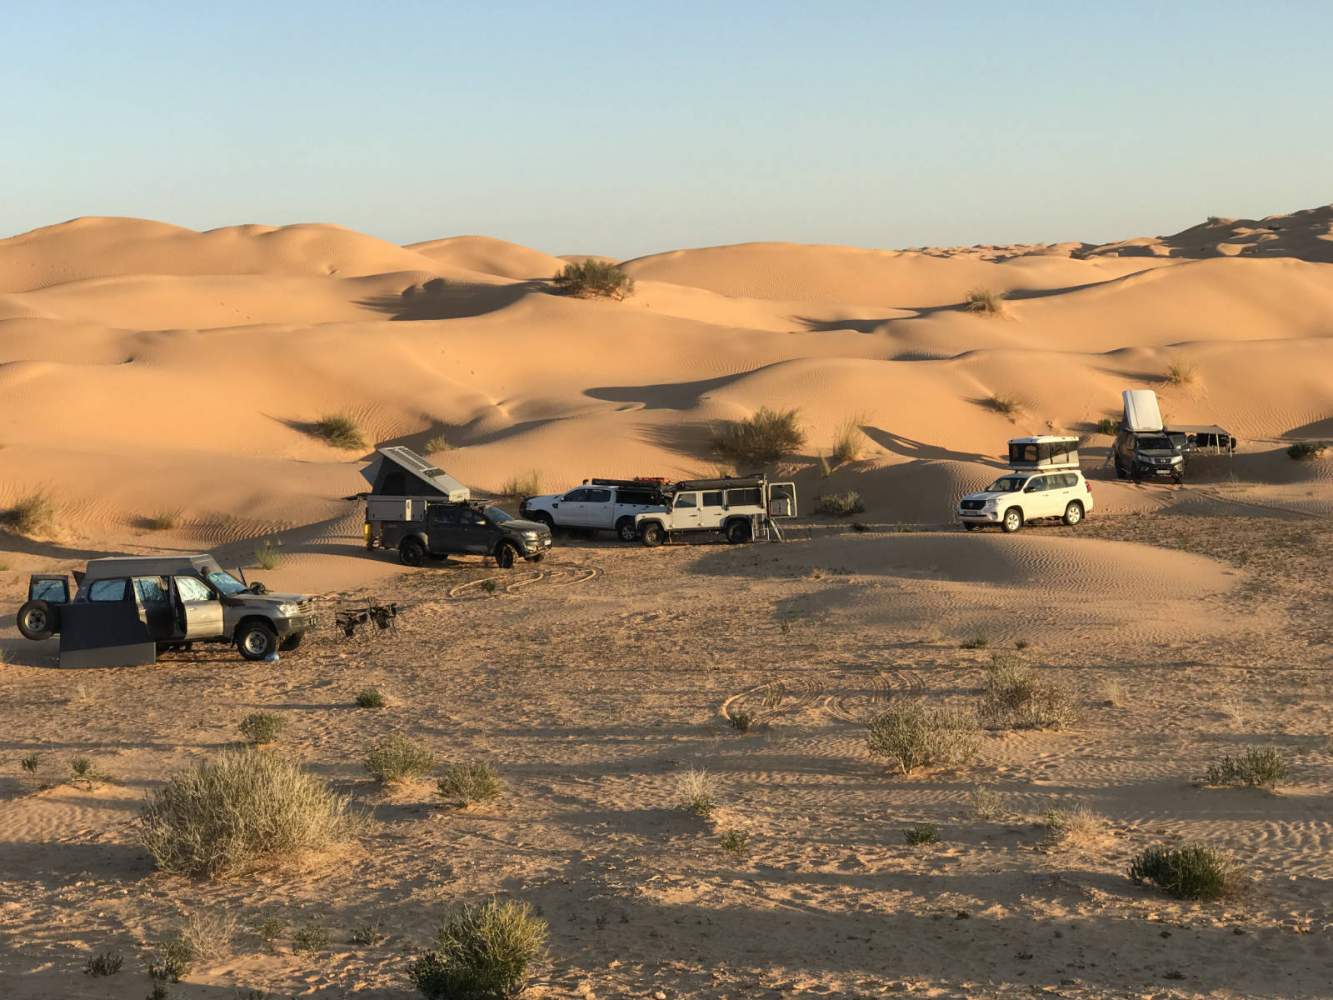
{"x":400,"y":472}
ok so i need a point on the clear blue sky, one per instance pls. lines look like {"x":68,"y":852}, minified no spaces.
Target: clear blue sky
{"x":634,"y":127}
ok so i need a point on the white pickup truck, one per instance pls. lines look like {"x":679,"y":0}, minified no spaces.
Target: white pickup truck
{"x":598,"y":505}
{"x":740,"y":509}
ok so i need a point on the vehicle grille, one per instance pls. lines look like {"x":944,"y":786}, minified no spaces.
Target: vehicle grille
{"x":973,"y":504}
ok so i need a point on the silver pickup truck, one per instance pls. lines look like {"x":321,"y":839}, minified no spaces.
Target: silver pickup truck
{"x":598,"y":505}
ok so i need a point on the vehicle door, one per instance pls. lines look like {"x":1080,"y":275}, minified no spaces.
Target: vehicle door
{"x":198,"y":610}
{"x":444,"y":530}
{"x":598,"y":509}
{"x":478,"y":534}
{"x":685,"y":512}
{"x":104,"y":628}
{"x":1060,"y":490}
{"x":712,"y":511}
{"x":1034,"y":499}
{"x":781,"y":499}
{"x":573,"y":509}
{"x":49,"y":587}
{"x":153,"y":595}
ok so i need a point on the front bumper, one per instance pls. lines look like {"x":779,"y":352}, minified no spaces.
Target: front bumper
{"x":540,"y":545}
{"x":980,"y":516}
{"x":1169,"y":471}
{"x":297,"y":623}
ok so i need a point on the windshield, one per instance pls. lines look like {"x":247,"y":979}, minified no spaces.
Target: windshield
{"x":1006,"y":484}
{"x":497,"y":515}
{"x":1155,"y":444}
{"x":226,"y":583}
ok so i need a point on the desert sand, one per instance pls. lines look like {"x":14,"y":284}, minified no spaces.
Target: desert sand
{"x":150,"y":371}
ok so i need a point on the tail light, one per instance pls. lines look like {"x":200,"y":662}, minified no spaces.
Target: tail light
{"x":1087,"y":486}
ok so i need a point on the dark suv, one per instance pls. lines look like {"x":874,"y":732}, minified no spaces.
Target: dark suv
{"x":1149,"y":455}
{"x":473,"y":529}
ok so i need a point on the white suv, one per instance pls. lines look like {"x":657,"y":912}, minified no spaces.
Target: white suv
{"x":1018,"y":497}
{"x":598,"y":505}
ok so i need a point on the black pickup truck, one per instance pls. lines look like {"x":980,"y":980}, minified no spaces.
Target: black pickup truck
{"x":467,"y":529}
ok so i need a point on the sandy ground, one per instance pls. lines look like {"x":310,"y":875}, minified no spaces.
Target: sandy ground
{"x":148,"y":369}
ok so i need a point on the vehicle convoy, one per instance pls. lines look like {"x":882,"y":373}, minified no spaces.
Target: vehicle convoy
{"x":127,"y":610}
{"x":740,"y":509}
{"x":1044,"y":482}
{"x":598,"y":505}
{"x":469,"y":528}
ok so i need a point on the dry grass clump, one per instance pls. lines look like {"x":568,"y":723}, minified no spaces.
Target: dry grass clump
{"x":106,"y":963}
{"x":978,"y":641}
{"x":241,"y":811}
{"x":922,"y":833}
{"x":470,"y":782}
{"x":735,"y":842}
{"x":526,"y":485}
{"x":840,"y":504}
{"x":741,"y":721}
{"x":1180,"y":372}
{"x":268,"y":553}
{"x":1014,"y":698}
{"x":1257,"y":767}
{"x":848,"y":440}
{"x":987,"y":803}
{"x":370,"y":698}
{"x":170,"y":961}
{"x":339,"y":430}
{"x":696,"y":791}
{"x":481,"y":952}
{"x":1074,"y":826}
{"x":435,"y":444}
{"x":1307,"y":451}
{"x":208,"y":934}
{"x":262,"y":727}
{"x":396,"y":758}
{"x":1192,"y":871}
{"x":34,"y":514}
{"x":311,"y":938}
{"x":163,"y":520}
{"x":1009,"y":406}
{"x":1108,"y":426}
{"x":985,"y":302}
{"x":913,"y":736}
{"x":764,"y":437}
{"x":592,"y":278}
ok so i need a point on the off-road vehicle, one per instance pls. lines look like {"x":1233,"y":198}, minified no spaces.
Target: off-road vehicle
{"x":598,"y":505}
{"x":1149,"y":455}
{"x":740,"y":509}
{"x":470,"y":528}
{"x":1020,"y":496}
{"x":126,"y":610}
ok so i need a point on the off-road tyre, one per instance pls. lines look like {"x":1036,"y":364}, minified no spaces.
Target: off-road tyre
{"x":505,"y":555}
{"x":411,"y":552}
{"x":1073,"y":513}
{"x":1013,"y":520}
{"x":653,"y":535}
{"x":292,"y":641}
{"x":256,"y":639}
{"x":626,"y":531}
{"x":738,"y":532}
{"x":38,"y":620}
{"x":541,"y":517}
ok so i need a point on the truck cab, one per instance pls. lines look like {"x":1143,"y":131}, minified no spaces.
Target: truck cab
{"x":598,"y":505}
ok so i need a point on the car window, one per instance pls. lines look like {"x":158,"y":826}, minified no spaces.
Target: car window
{"x":443,"y":515}
{"x":577,"y":496}
{"x":713,"y":499}
{"x":151,"y":589}
{"x":1071,"y":479}
{"x":1035,"y":485}
{"x":690,"y":500}
{"x":52,"y":591}
{"x":192,"y":589}
{"x":639,"y":497}
{"x":744,"y":498}
{"x":598,"y":496}
{"x":107,"y":590}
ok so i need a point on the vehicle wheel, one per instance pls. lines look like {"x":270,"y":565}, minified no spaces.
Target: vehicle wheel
{"x":1073,"y":513}
{"x":970,"y":526}
{"x":738,"y":532}
{"x":505,"y":556}
{"x":537,"y":558}
{"x":1013,"y":520}
{"x":38,"y":620}
{"x":626,"y":530}
{"x":256,"y":640}
{"x":541,"y":517}
{"x":1120,"y":472}
{"x":1178,"y":479}
{"x":412,"y":552}
{"x":652,"y":535}
{"x":291,"y":642}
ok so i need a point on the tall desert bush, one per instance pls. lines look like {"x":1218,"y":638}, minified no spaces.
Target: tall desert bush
{"x":482,"y":952}
{"x":766,"y":436}
{"x":914,"y":736}
{"x":594,"y":278}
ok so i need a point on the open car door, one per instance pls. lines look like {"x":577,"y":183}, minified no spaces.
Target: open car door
{"x":40,"y":616}
{"x":198,"y":607}
{"x":781,"y":499}
{"x":107,"y":629}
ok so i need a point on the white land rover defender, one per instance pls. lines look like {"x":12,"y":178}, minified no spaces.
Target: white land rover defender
{"x":740,"y":509}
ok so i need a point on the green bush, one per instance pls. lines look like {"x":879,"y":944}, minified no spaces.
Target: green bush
{"x":262,"y":727}
{"x":339,"y":430}
{"x":1257,"y":767}
{"x":1194,"y":871}
{"x":1306,"y":451}
{"x":735,"y":842}
{"x":108,"y":963}
{"x":923,"y":833}
{"x":741,"y":721}
{"x":594,"y":278}
{"x":1107,"y":426}
{"x":369,"y":698}
{"x":482,"y":952}
{"x":311,"y":938}
{"x":241,"y":811}
{"x":985,"y":302}
{"x":396,"y":758}
{"x":840,"y":504}
{"x":170,"y":961}
{"x":914,"y":736}
{"x":469,"y":783}
{"x":764,"y":437}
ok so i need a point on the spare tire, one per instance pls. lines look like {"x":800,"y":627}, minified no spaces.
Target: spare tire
{"x":38,"y":620}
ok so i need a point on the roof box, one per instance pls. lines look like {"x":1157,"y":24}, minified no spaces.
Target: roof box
{"x":1141,"y":410}
{"x":401,"y":472}
{"x":1049,"y":451}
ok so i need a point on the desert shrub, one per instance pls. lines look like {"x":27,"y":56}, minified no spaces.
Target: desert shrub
{"x":696,"y":791}
{"x":986,"y":803}
{"x":107,"y":963}
{"x":159,"y":992}
{"x":171,"y":960}
{"x":922,"y":833}
{"x":262,"y":727}
{"x":270,"y":929}
{"x":741,"y":721}
{"x":489,"y":586}
{"x":848,"y":440}
{"x":735,"y":842}
{"x":1073,"y":826}
{"x":913,"y":736}
{"x":590,"y":278}
{"x":339,"y":430}
{"x":978,"y":641}
{"x":81,"y":768}
{"x":985,"y":302}
{"x":1021,"y":645}
{"x":34,"y":514}
{"x":470,"y":782}
{"x":436,"y":443}
{"x":369,"y":698}
{"x":367,"y":934}
{"x":310,"y":938}
{"x":481,"y":952}
{"x":1306,"y":451}
{"x":1257,"y":767}
{"x":268,"y":553}
{"x":1193,"y":871}
{"x":1015,"y":699}
{"x":1180,"y":373}
{"x":245,"y":809}
{"x":765,"y":436}
{"x":840,"y":504}
{"x":163,"y":520}
{"x":1009,"y":406}
{"x":1107,"y":426}
{"x":30,"y":762}
{"x":208,"y":934}
{"x":396,"y":758}
{"x":525,"y":485}
{"x":825,"y":469}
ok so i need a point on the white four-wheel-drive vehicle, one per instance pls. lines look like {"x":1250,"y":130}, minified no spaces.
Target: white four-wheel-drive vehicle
{"x":1020,"y":496}
{"x":740,"y":509}
{"x":598,"y":505}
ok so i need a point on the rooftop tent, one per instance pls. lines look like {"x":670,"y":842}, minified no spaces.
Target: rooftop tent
{"x":1141,"y":411}
{"x":1045,"y":452}
{"x":401,"y":472}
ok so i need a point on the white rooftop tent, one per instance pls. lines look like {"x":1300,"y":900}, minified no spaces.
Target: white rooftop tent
{"x":401,"y":472}
{"x":1141,"y":411}
{"x":1047,"y":451}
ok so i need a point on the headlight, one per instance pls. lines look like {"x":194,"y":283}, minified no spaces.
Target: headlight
{"x":531,"y":536}
{"x":287,"y":610}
